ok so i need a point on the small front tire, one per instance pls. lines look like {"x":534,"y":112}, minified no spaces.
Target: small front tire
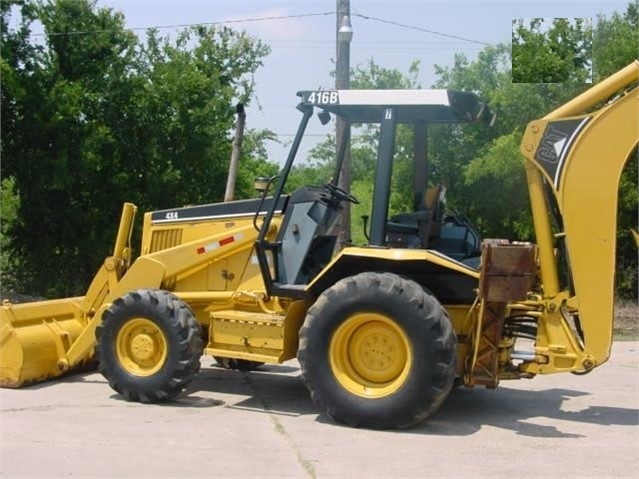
{"x":148,"y":345}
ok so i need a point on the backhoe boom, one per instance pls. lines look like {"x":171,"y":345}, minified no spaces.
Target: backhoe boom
{"x":574,"y":158}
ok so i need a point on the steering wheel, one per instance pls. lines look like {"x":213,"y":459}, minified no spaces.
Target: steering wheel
{"x":339,"y":194}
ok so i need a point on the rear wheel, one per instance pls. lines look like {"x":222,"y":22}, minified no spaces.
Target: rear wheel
{"x":148,"y":345}
{"x":376,"y":350}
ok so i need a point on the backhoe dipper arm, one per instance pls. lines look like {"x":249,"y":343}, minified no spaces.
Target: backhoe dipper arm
{"x":577,"y":153}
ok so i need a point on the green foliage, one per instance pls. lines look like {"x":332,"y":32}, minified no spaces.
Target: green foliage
{"x":551,"y":52}
{"x":461,"y":152}
{"x":362,"y":190}
{"x":254,"y":162}
{"x":374,"y":77}
{"x":453,"y":147}
{"x":93,"y":120}
{"x":499,"y":169}
{"x":9,"y":262}
{"x":615,"y":41}
{"x":615,"y":45}
{"x":319,"y":169}
{"x":627,"y":282}
{"x":9,"y":204}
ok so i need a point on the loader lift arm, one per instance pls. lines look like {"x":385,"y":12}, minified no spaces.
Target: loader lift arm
{"x":72,"y":321}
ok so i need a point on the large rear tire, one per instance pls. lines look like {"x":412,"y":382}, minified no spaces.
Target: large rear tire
{"x":377,"y":351}
{"x":148,"y":345}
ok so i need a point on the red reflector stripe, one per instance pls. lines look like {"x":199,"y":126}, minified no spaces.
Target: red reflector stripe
{"x":225,"y":241}
{"x":201,"y":250}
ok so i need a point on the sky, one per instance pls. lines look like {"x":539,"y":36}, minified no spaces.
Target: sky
{"x":303,"y":49}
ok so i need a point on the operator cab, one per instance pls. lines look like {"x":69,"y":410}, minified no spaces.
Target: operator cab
{"x":305,"y":243}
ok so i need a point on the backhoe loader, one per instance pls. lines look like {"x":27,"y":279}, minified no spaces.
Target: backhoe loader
{"x":382,"y":331}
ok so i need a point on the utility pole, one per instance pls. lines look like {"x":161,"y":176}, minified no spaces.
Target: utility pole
{"x":343,"y":127}
{"x":235,"y":153}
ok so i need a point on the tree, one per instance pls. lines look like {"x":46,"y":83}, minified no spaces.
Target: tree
{"x":500,"y":164}
{"x":556,"y":51}
{"x":95,"y":119}
{"x":9,"y":263}
{"x":478,"y":163}
{"x":615,"y":44}
{"x":615,"y":41}
{"x":627,"y":260}
{"x":255,"y":162}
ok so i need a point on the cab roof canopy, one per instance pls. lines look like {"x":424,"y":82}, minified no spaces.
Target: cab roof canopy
{"x":410,"y":106}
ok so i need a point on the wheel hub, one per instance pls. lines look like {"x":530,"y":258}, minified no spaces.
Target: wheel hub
{"x":141,"y":347}
{"x":376,"y":352}
{"x":370,"y":354}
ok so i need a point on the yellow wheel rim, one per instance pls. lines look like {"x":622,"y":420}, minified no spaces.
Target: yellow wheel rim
{"x":141,"y":347}
{"x":370,"y":355}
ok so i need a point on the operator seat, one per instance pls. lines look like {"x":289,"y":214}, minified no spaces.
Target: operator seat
{"x":434,"y":202}
{"x":419,"y":228}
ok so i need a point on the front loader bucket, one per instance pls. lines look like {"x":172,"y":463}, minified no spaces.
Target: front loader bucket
{"x":34,"y":339}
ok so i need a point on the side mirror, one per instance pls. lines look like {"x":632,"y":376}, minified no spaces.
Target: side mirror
{"x":324,"y":117}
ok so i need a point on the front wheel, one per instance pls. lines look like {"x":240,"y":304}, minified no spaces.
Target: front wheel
{"x":148,"y":345}
{"x":378,"y":351}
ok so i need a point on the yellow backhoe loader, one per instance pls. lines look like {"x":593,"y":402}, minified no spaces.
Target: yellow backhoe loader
{"x":382,"y":331}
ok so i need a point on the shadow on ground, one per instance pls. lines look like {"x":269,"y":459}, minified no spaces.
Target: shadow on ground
{"x":464,"y":412}
{"x":278,"y":390}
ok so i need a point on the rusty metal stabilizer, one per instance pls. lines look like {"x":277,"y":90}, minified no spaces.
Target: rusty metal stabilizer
{"x":507,"y":274}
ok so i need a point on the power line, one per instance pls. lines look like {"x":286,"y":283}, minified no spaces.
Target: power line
{"x":184,"y":25}
{"x":419,"y":29}
{"x":271,"y":18}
